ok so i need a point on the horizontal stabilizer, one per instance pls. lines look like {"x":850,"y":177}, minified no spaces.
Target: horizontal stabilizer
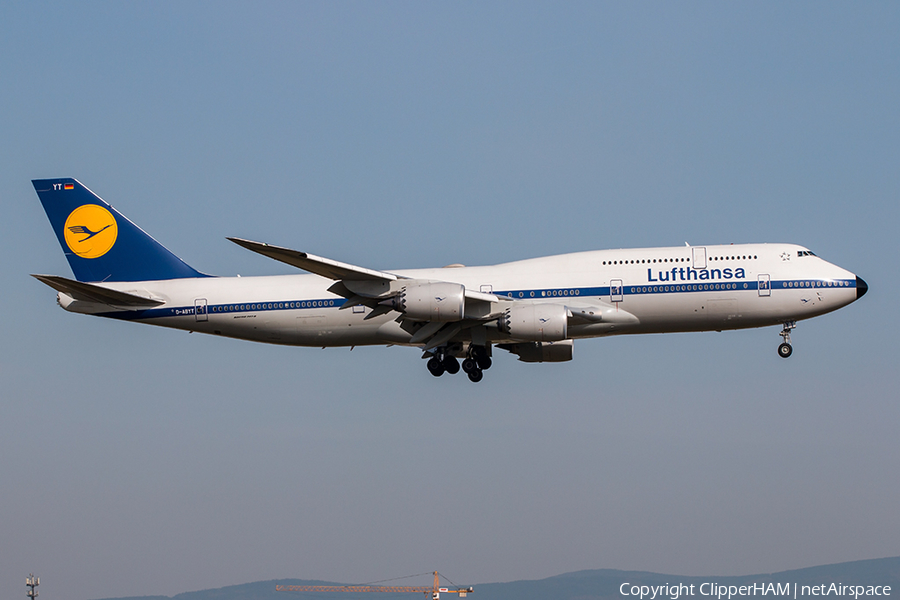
{"x":325,"y":267}
{"x":89,"y":292}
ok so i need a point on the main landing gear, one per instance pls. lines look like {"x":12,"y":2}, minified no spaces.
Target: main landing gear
{"x":477,"y":361}
{"x":440,"y":363}
{"x":785,"y":349}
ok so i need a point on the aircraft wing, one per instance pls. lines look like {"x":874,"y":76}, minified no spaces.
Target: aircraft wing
{"x":340,"y":271}
{"x":90,"y":292}
{"x":325,"y":267}
{"x":361,"y":286}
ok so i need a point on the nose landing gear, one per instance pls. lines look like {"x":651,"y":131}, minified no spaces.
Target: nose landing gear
{"x":785,"y":349}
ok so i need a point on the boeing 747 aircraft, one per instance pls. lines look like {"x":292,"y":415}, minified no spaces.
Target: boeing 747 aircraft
{"x":532,"y":308}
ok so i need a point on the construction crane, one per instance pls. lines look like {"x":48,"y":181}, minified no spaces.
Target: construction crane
{"x":436,"y":590}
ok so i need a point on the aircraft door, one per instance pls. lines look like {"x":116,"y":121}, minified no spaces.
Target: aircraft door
{"x":200,"y":312}
{"x":764,"y":284}
{"x":616,"y":291}
{"x":699,"y":256}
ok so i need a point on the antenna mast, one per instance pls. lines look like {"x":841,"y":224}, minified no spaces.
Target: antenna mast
{"x":32,"y":582}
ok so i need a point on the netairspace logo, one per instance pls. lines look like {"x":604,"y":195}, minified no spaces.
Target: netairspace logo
{"x":727,"y":592}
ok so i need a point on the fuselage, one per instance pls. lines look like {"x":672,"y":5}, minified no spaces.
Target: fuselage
{"x":660,"y":289}
{"x":533,"y":309}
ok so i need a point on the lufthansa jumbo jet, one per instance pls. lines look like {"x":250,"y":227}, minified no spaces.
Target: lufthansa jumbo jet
{"x":532,"y":308}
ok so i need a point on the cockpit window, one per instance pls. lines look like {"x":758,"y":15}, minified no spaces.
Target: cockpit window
{"x":805,"y":253}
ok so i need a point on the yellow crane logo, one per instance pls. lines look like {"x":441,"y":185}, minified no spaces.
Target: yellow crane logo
{"x":90,"y":231}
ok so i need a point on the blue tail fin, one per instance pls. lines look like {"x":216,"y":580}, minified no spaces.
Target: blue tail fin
{"x":100,"y":243}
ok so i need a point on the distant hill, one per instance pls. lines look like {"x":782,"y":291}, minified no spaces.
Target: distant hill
{"x":599,"y":584}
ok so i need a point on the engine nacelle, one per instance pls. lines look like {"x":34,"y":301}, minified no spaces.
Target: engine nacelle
{"x":534,"y":352}
{"x":438,"y":301}
{"x":535,"y":322}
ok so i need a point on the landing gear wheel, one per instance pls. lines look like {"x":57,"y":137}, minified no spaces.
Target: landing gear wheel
{"x":785,"y":349}
{"x":476,"y":375}
{"x":435,"y":366}
{"x":469,"y":366}
{"x":481,"y":357}
{"x":451,"y":365}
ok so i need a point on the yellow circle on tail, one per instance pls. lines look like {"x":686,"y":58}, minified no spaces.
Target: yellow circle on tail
{"x":90,"y":231}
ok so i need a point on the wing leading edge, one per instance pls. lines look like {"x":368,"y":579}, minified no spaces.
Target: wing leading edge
{"x":325,"y":267}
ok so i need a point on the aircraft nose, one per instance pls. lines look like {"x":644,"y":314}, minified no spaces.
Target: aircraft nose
{"x":861,"y":288}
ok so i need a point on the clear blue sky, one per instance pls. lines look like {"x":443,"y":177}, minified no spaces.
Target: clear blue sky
{"x":137,"y":461}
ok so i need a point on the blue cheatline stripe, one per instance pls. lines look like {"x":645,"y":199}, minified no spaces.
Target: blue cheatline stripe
{"x":664,"y":288}
{"x":229,"y":308}
{"x":526,"y":294}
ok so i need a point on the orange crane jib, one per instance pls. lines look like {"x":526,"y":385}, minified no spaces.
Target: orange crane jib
{"x":435,"y":590}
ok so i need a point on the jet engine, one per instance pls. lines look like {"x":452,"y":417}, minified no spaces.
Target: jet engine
{"x":534,"y":352}
{"x":438,"y":301}
{"x":535,"y":322}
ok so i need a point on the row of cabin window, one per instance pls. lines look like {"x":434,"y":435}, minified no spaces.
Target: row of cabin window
{"x":673,"y":260}
{"x":795,"y":284}
{"x":747,"y":257}
{"x":272,"y":305}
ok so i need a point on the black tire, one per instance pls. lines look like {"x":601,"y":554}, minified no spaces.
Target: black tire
{"x":469,"y":365}
{"x":785,"y":350}
{"x":476,"y":375}
{"x":435,"y":367}
{"x":482,"y":358}
{"x":451,"y":365}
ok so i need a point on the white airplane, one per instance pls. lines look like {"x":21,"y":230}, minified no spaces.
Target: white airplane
{"x":533,"y":308}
